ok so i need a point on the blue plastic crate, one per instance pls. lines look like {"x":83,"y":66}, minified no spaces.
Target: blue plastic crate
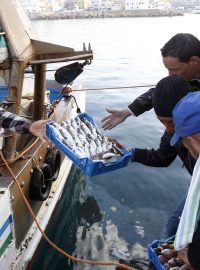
{"x":153,"y":257}
{"x":88,"y":166}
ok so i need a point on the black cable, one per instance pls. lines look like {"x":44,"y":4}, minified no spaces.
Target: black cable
{"x":78,"y":110}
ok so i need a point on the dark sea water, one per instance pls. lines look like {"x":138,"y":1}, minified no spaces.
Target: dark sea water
{"x":126,"y":208}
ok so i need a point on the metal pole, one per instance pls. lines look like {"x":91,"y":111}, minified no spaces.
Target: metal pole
{"x":39,"y":91}
{"x":14,"y":98}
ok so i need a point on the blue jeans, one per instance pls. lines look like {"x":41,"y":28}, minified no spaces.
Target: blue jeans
{"x":171,"y":224}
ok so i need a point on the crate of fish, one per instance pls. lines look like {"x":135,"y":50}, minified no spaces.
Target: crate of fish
{"x":163,"y":255}
{"x":81,"y":140}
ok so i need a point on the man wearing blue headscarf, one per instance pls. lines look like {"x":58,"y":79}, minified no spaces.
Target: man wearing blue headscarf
{"x":186,"y":119}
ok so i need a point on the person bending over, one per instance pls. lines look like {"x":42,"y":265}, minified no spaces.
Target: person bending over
{"x":168,"y":92}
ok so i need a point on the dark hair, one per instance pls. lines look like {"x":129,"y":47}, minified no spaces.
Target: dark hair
{"x":182,"y":46}
{"x":168,"y":92}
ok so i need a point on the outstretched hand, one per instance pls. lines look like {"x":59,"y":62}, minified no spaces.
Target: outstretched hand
{"x":38,"y":128}
{"x":114,"y":118}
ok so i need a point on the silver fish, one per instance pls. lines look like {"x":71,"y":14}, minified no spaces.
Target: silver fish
{"x":92,"y":150}
{"x":90,"y":136}
{"x":86,"y":149}
{"x":90,"y":126}
{"x":106,"y":157}
{"x":87,"y":123}
{"x":85,"y":129}
{"x":82,"y":140}
{"x":99,"y":148}
{"x":67,"y":136}
{"x":57,"y":132}
{"x":80,"y":133}
{"x":92,"y":143}
{"x":71,"y":130}
{"x":108,"y":146}
{"x":100,"y":134}
{"x":61,"y":138}
{"x":78,"y":121}
{"x":79,"y":152}
{"x":74,"y":124}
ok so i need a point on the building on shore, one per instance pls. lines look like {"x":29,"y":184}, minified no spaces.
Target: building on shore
{"x":147,"y":4}
{"x":39,"y":8}
{"x":32,"y":8}
{"x":60,"y":9}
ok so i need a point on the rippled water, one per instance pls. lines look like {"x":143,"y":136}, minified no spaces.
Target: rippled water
{"x":125,"y":208}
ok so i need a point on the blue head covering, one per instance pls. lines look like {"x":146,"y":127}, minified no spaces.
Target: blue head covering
{"x":186,"y":117}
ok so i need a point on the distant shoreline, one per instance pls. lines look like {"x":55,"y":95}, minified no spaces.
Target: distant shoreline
{"x":107,"y":14}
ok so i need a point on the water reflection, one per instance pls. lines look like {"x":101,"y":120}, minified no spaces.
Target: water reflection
{"x":63,"y":226}
{"x":80,"y":229}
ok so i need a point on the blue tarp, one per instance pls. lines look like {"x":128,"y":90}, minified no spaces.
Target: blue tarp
{"x":3,"y":92}
{"x":53,"y":93}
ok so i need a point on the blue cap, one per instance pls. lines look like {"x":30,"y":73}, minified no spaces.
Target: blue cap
{"x":186,"y":117}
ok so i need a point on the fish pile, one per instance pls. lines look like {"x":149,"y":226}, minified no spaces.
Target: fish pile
{"x":85,"y":140}
{"x":167,"y":255}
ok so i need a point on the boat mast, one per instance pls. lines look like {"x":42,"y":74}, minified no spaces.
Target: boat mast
{"x":14,"y":99}
{"x":39,"y":91}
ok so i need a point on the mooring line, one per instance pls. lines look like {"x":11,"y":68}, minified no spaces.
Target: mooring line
{"x":115,"y":88}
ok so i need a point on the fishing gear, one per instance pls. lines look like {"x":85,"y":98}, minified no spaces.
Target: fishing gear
{"x":68,"y":73}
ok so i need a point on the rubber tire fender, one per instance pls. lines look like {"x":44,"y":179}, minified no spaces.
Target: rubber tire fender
{"x":53,"y":159}
{"x":40,"y":184}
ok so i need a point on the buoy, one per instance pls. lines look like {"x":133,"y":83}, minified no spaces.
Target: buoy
{"x":53,"y":159}
{"x":40,"y":184}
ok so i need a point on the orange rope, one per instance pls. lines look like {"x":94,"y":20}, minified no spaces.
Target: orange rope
{"x":122,"y":266}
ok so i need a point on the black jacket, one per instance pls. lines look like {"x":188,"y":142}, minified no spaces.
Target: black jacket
{"x":194,"y":250}
{"x":144,"y":102}
{"x":165,"y":154}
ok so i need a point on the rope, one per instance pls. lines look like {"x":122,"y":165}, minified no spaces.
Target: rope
{"x":122,"y":266}
{"x":116,"y":87}
{"x":11,"y":161}
{"x":56,"y":101}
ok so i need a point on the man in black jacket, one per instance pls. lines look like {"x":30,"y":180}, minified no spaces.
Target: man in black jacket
{"x":181,"y":55}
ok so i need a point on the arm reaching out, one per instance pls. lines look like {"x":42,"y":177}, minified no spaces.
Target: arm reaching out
{"x":140,"y":105}
{"x":114,"y":118}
